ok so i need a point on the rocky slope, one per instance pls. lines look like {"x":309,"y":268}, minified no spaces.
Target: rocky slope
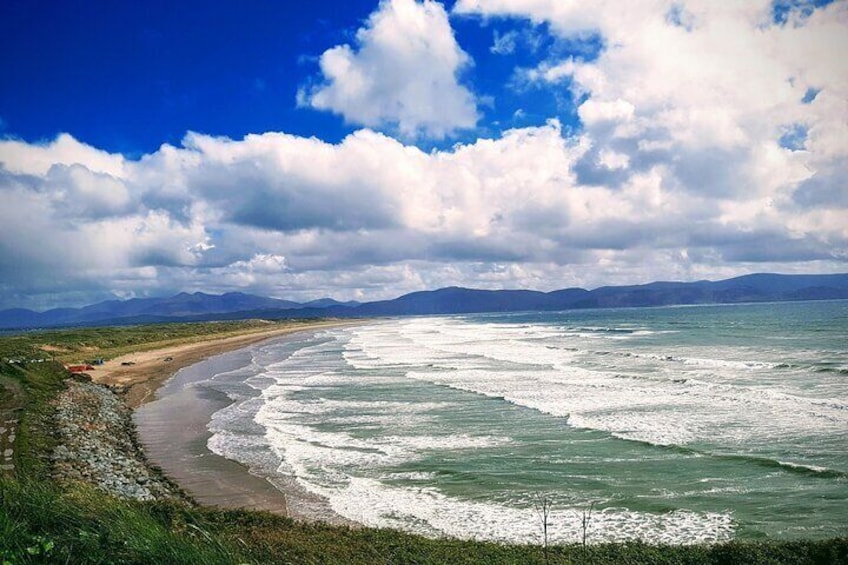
{"x":97,"y":444}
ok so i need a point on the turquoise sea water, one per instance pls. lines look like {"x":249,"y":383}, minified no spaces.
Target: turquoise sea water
{"x":678,"y":425}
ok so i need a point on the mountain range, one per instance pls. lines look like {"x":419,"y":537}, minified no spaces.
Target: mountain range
{"x":452,"y":300}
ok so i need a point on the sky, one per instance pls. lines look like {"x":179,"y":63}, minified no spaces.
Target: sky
{"x":365,"y":149}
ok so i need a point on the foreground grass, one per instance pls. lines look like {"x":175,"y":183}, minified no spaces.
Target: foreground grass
{"x":42,"y":522}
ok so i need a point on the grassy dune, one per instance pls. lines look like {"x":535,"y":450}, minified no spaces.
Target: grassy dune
{"x":45,"y":522}
{"x":78,"y":344}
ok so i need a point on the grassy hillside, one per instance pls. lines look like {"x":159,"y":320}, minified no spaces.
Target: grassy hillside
{"x":45,"y":522}
{"x":40,"y":523}
{"x":78,"y":344}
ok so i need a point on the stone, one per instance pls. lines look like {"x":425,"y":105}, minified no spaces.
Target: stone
{"x":97,"y":431}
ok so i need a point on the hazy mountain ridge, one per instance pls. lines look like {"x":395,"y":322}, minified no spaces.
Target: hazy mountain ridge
{"x":452,"y":300}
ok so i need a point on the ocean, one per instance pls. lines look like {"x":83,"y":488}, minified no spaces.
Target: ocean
{"x":671,"y":425}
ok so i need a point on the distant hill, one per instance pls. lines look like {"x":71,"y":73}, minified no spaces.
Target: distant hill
{"x":453,"y":300}
{"x":327,"y":302}
{"x":748,"y":288}
{"x":153,"y":309}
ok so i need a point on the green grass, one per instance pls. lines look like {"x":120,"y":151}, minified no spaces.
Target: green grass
{"x":40,"y":523}
{"x":43,"y":522}
{"x":35,"y":439}
{"x":78,"y":344}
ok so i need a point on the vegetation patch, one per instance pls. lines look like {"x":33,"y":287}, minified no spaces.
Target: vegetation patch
{"x":74,"y":345}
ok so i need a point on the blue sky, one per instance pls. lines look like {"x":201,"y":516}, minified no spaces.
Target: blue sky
{"x":130,"y":76}
{"x":364,"y":149}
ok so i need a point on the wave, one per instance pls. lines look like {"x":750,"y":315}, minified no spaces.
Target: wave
{"x":710,"y":362}
{"x":662,"y":410}
{"x":834,"y":370}
{"x":425,"y":510}
{"x":806,"y":469}
{"x":441,"y":339}
{"x":601,"y":330}
{"x":356,"y":415}
{"x":692,"y":361}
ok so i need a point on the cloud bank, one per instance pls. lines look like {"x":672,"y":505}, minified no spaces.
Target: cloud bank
{"x":713,"y":142}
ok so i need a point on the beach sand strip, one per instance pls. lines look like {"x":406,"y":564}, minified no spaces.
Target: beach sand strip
{"x":140,"y":374}
{"x":171,"y":422}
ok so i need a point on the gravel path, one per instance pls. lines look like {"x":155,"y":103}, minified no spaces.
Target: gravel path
{"x":11,"y":403}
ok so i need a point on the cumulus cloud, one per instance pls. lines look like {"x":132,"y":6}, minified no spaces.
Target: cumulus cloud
{"x":370,"y":217}
{"x":37,"y":159}
{"x":706,"y":92}
{"x":402,"y":74}
{"x":696,"y":76}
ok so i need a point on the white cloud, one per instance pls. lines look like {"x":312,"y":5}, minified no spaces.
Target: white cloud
{"x":593,"y":112}
{"x":87,"y":194}
{"x":706,"y":90}
{"x":726,"y":77}
{"x":504,"y":44}
{"x":36,"y":159}
{"x":612,"y":160}
{"x":402,"y":74}
{"x":371,"y":217}
{"x":265,"y":263}
{"x":260,"y":270}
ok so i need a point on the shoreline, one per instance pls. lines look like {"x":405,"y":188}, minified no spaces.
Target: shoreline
{"x":139,"y":375}
{"x":171,"y":418}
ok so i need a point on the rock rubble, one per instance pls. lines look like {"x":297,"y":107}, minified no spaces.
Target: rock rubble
{"x":97,"y":444}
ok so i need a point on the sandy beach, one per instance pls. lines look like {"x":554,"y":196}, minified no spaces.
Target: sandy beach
{"x":171,"y":422}
{"x":142,"y":373}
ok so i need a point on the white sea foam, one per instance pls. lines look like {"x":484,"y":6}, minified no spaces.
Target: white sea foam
{"x":327,"y":459}
{"x":429,"y":512}
{"x":291,"y":429}
{"x":659,"y":412}
{"x":723,"y":363}
{"x":655,"y":405}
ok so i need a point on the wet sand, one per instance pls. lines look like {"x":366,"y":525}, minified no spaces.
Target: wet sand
{"x":171,"y":422}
